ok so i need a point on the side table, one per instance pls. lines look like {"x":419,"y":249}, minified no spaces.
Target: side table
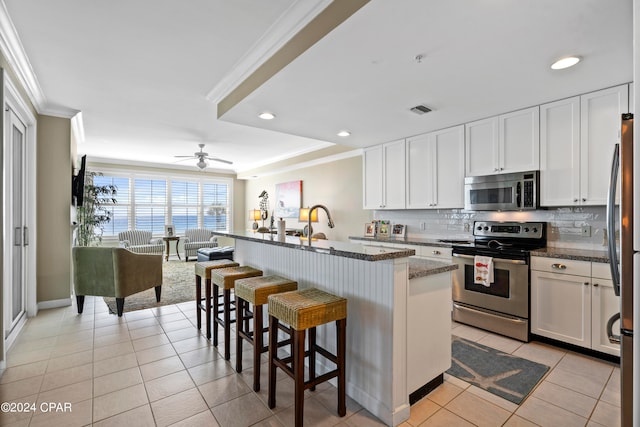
{"x":168,"y":239}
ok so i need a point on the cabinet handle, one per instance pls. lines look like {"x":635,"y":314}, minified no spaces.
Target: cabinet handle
{"x":584,"y":200}
{"x":575,"y":200}
{"x":496,"y":169}
{"x":559,"y":266}
{"x":436,"y":252}
{"x":586,"y":283}
{"x":595,"y":285}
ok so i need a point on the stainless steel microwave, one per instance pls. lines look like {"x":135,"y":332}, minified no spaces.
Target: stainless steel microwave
{"x":504,"y":192}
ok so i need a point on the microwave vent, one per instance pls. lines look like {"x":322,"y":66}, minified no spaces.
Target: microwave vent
{"x":421,"y":109}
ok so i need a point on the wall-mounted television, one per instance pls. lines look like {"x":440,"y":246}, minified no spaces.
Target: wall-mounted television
{"x":77,"y":183}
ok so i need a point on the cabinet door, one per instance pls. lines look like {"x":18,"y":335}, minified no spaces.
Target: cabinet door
{"x":561,"y":307}
{"x":372,"y":179}
{"x":560,"y":153}
{"x":599,"y":131}
{"x":448,"y":166}
{"x":481,"y":147}
{"x":420,"y":173}
{"x":519,"y":141}
{"x":604,"y":304}
{"x":393,"y":193}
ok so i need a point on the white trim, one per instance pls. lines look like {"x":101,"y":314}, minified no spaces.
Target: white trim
{"x":284,"y":29}
{"x":77,"y":127}
{"x":192,"y":168}
{"x":54,"y":303}
{"x":303,"y":165}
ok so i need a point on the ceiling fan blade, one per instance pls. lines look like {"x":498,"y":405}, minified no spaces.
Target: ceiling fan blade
{"x":215,"y":159}
{"x":185,"y":157}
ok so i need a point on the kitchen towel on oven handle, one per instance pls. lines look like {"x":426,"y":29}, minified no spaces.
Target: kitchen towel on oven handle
{"x":483,"y":270}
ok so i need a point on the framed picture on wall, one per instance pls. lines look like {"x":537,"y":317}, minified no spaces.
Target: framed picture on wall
{"x":288,"y":199}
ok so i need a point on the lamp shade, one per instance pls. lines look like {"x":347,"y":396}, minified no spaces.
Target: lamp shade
{"x":304,"y":215}
{"x":254,"y":215}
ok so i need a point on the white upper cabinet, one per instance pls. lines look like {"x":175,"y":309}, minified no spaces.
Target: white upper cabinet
{"x":384,"y":176}
{"x":503,"y":144}
{"x":560,"y":152}
{"x":600,"y":122}
{"x":577,"y":136}
{"x":435,"y":170}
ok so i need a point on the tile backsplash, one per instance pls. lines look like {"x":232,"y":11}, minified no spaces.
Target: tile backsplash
{"x":564,"y":225}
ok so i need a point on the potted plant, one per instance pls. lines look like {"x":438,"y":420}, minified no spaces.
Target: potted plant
{"x":94,"y":212}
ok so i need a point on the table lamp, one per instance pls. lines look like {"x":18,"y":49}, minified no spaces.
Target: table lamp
{"x":303,"y":216}
{"x":254,"y":215}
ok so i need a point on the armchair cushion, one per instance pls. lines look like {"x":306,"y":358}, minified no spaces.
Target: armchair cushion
{"x":114,"y":272}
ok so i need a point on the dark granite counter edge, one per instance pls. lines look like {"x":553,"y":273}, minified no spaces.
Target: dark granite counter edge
{"x":399,"y":253}
{"x":421,"y":268}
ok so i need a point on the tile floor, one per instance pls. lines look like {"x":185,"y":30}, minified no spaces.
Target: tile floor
{"x":151,"y":367}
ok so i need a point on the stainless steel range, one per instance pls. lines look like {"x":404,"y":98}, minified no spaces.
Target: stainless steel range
{"x":501,"y":306}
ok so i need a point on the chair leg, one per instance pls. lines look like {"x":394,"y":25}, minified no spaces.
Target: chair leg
{"x":199,"y":301}
{"x":341,"y":350}
{"x":207,"y":308}
{"x":120,"y":306}
{"x":80,"y":303}
{"x":257,"y":345}
{"x":298,"y":374}
{"x":273,"y":350}
{"x":158,"y":292}
{"x":312,"y":356}
{"x":239,"y":328}
{"x":227,"y":324}
{"x":215,"y":313}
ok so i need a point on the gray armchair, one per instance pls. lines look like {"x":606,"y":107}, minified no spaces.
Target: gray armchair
{"x":197,"y":238}
{"x":114,"y":272}
{"x":141,"y":242}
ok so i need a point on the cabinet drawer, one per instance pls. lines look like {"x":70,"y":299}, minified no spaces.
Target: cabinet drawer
{"x":601,"y":270}
{"x":562,"y":266}
{"x":436,"y":252}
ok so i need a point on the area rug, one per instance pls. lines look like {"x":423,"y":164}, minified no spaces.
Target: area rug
{"x":178,"y":285}
{"x":502,"y":374}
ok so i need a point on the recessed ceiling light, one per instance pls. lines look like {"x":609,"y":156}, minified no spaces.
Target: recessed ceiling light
{"x":344,"y":133}
{"x":565,"y":63}
{"x":267,"y":116}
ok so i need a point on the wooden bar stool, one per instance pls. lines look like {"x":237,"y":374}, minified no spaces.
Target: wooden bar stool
{"x":203,"y":269}
{"x":255,"y":291}
{"x":302,"y":310}
{"x":225,"y":278}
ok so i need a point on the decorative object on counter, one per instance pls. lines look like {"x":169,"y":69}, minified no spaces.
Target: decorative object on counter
{"x":288,"y":199}
{"x":369,"y":229}
{"x":303,"y":216}
{"x":398,"y":231}
{"x":281,"y":230}
{"x":383,"y":229}
{"x":255,"y":215}
{"x":310,"y":217}
{"x":264,"y":210}
{"x":502,"y":374}
{"x":168,"y":230}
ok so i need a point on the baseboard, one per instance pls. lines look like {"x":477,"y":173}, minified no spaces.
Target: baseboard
{"x":56,"y":303}
{"x":426,"y":389}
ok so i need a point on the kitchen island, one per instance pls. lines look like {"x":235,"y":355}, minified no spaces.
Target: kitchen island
{"x":398,"y":329}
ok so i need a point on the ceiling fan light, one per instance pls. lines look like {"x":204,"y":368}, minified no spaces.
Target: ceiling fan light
{"x":267,"y":116}
{"x":202,"y":163}
{"x":344,"y":133}
{"x":563,"y":63}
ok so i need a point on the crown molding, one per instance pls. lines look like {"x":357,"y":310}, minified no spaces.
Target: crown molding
{"x":288,"y":25}
{"x":12,"y":49}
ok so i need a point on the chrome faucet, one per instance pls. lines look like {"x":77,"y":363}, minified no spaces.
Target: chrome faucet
{"x":331,"y":224}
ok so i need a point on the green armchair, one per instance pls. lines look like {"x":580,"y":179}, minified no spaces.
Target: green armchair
{"x":114,"y":272}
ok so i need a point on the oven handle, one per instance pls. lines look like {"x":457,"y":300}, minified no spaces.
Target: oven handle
{"x":509,"y":261}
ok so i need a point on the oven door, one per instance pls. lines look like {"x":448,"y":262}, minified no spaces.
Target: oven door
{"x":509,"y":293}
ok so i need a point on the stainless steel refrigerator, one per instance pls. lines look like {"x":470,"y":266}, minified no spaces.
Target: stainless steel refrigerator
{"x":625,"y":261}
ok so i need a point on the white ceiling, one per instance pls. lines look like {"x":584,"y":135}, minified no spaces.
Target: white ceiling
{"x":142,"y":71}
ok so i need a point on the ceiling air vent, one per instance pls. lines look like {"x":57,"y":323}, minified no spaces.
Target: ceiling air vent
{"x":421,"y":109}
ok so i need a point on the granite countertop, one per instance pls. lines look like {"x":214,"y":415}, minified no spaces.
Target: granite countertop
{"x":420,"y":267}
{"x":444,"y":243}
{"x":574,"y":254}
{"x":328,"y":247}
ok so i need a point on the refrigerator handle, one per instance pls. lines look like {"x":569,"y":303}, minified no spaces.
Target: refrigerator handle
{"x":613,"y":339}
{"x":611,"y":220}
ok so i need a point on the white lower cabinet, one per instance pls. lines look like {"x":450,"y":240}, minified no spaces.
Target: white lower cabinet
{"x":568,"y":304}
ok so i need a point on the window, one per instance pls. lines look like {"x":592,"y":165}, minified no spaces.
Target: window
{"x":146,"y":202}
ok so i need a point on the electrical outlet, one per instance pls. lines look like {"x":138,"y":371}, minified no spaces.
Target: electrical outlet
{"x":586,"y":231}
{"x":423,"y":225}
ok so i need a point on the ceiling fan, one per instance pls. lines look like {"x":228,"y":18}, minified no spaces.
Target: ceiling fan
{"x":203,"y":157}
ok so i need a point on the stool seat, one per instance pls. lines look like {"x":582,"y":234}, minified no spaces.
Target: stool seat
{"x":226,"y":278}
{"x":307,"y":308}
{"x":203,"y":270}
{"x":256,"y":290}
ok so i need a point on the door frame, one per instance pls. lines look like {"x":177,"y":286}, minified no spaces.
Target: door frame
{"x":12,"y":99}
